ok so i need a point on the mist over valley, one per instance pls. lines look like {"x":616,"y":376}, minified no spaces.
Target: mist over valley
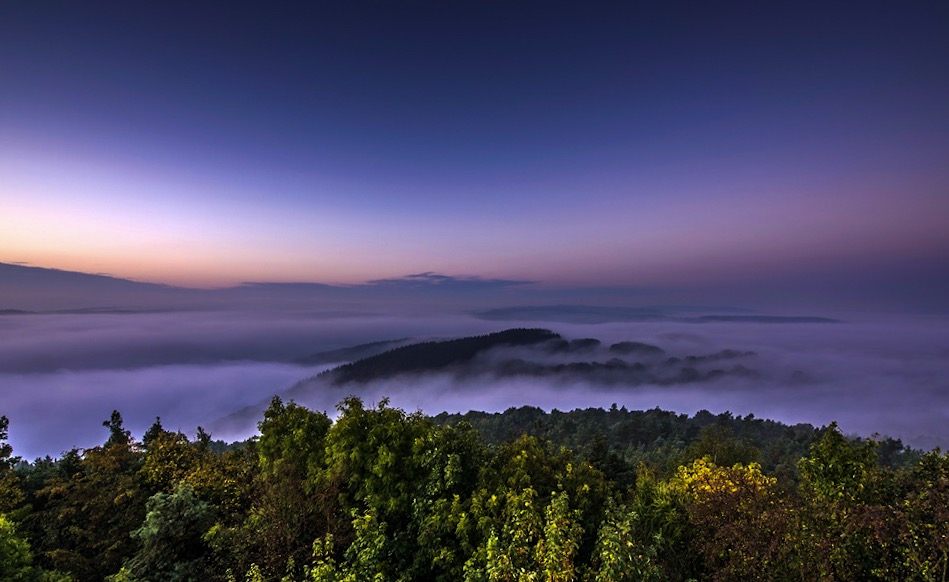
{"x":61,"y":374}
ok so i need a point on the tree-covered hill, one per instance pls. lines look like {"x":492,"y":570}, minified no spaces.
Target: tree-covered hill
{"x":434,"y":355}
{"x":544,"y":355}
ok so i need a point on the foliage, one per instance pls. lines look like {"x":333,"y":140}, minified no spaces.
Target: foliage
{"x":16,"y":558}
{"x":85,"y":512}
{"x":170,"y":539}
{"x":382,"y":495}
{"x":10,"y":493}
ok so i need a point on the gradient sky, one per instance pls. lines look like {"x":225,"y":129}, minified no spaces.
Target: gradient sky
{"x":566,"y":143}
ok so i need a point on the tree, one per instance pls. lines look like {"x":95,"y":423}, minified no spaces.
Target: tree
{"x":153,"y":432}
{"x":924,"y":531}
{"x":619,"y":555}
{"x":11,"y":495}
{"x":719,"y":444}
{"x":15,"y":556}
{"x":371,"y":462}
{"x":117,"y":433}
{"x":289,"y":511}
{"x":85,"y":515}
{"x":837,"y":479}
{"x":170,"y":541}
{"x":836,"y":469}
{"x":507,"y":553}
{"x":449,"y":460}
{"x":16,"y":559}
{"x":7,"y":460}
{"x":557,"y":551}
{"x":742,"y":526}
{"x":292,"y":437}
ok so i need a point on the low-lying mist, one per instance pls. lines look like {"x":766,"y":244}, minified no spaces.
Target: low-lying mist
{"x":61,"y":375}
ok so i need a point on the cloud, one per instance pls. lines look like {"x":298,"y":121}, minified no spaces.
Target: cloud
{"x":887,"y":377}
{"x":61,"y":375}
{"x":39,"y":343}
{"x":53,"y":412}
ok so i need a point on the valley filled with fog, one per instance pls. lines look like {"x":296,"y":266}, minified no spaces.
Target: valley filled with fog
{"x":63,"y":373}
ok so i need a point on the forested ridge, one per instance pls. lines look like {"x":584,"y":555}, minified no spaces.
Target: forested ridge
{"x":380,"y":494}
{"x":537,"y":354}
{"x":433,"y":356}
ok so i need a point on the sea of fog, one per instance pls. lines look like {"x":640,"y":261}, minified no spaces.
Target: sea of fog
{"x":61,"y":375}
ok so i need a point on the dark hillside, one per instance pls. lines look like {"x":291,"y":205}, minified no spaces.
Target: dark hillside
{"x":434,"y":355}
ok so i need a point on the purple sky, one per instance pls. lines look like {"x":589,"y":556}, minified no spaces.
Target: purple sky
{"x":788,"y":148}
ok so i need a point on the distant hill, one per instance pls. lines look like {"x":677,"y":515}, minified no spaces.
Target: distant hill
{"x":24,"y":288}
{"x":532,"y":353}
{"x":45,"y":290}
{"x":541,"y":354}
{"x":23,"y":275}
{"x":434,"y":356}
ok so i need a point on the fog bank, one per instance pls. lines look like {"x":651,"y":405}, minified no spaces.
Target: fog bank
{"x":62,"y":375}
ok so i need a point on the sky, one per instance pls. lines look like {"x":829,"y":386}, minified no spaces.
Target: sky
{"x":785,"y":148}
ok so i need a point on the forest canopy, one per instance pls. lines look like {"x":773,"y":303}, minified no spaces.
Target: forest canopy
{"x":381,"y":494}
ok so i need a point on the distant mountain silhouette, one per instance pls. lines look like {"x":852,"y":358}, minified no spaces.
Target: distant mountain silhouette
{"x":25,"y":275}
{"x":40,"y":289}
{"x":27,"y":288}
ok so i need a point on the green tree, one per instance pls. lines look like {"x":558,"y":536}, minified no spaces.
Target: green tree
{"x":16,"y":559}
{"x":836,"y":469}
{"x":557,"y":550}
{"x":11,"y":495}
{"x":619,"y":554}
{"x":647,"y":538}
{"x":508,"y":551}
{"x":289,"y":511}
{"x":7,"y":460}
{"x":170,"y":541}
{"x":292,"y":437}
{"x":449,"y":461}
{"x":837,"y":479}
{"x":719,"y":443}
{"x":15,"y":556}
{"x":924,"y":531}
{"x":371,"y":461}
{"x":83,"y":517}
